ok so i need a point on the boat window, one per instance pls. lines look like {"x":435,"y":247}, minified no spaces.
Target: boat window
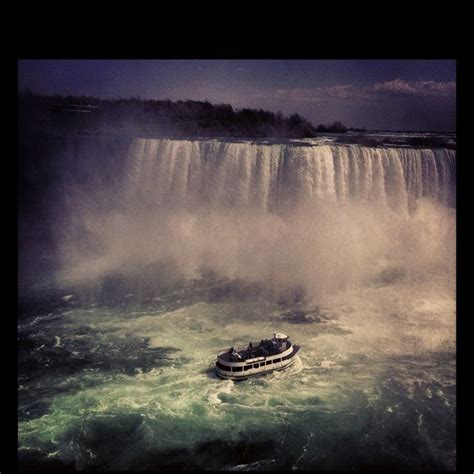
{"x":277,"y":360}
{"x":236,"y":369}
{"x":247,"y":367}
{"x":268,"y":362}
{"x":222,"y":366}
{"x":255,"y":366}
{"x":262,"y":364}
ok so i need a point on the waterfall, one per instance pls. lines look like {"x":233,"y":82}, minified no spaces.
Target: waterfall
{"x":163,"y":172}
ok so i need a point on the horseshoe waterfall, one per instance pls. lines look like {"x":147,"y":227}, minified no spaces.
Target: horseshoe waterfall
{"x":145,"y":257}
{"x":272,"y":177}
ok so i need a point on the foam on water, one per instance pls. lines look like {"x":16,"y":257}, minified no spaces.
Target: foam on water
{"x":364,"y":236}
{"x":182,"y":403}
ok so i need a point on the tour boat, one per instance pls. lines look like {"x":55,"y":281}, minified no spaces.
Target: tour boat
{"x":277,"y":353}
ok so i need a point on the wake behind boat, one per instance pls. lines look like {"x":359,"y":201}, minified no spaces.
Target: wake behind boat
{"x":277,"y":353}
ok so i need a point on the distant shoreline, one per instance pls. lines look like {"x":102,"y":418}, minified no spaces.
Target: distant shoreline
{"x":62,"y":116}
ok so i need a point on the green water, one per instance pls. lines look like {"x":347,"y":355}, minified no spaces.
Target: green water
{"x":132,"y":388}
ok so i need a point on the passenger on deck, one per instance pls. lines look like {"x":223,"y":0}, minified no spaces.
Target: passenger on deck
{"x":235,"y":355}
{"x":249,"y":350}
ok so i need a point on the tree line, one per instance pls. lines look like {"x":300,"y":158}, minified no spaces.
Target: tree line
{"x":90,"y":115}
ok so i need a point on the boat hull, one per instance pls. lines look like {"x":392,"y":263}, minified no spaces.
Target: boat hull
{"x":253,"y":372}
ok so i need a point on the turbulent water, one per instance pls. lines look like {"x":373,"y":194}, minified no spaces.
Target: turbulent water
{"x":195,"y":246}
{"x":271,"y":178}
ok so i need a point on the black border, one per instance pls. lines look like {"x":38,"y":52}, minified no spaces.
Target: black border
{"x":360,"y":41}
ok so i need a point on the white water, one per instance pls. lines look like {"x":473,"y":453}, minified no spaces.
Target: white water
{"x":323,"y":217}
{"x":277,"y":177}
{"x":368,"y":232}
{"x":369,"y":372}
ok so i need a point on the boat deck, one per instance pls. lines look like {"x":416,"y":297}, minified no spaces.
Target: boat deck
{"x":263,"y":349}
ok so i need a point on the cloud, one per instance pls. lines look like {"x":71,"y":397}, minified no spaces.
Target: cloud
{"x":349,"y":93}
{"x":420,"y":88}
{"x":322,"y":94}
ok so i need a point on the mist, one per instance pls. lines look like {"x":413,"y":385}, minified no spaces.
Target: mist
{"x":320,"y":218}
{"x":161,"y":253}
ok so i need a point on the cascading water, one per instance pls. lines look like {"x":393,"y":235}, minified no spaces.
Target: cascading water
{"x":114,"y":368}
{"x":274,"y":177}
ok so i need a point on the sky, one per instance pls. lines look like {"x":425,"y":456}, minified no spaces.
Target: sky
{"x":416,"y":95}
